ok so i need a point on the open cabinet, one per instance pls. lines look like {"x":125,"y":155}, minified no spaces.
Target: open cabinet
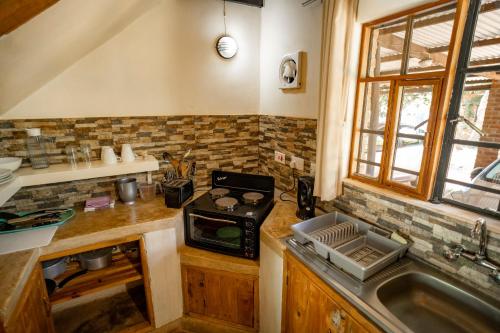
{"x":114,"y":298}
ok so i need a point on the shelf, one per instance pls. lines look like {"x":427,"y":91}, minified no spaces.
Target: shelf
{"x":60,"y":173}
{"x":107,"y":314}
{"x":124,"y":269}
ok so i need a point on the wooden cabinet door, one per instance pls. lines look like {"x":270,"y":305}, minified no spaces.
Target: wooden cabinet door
{"x":220,"y":295}
{"x":312,"y":306}
{"x":32,"y":313}
{"x":309,"y":309}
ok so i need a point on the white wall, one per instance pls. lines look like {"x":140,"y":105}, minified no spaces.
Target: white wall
{"x":163,"y":63}
{"x":288,"y":27}
{"x":369,"y":10}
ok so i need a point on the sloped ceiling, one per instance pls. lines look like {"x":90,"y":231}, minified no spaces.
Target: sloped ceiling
{"x":45,"y":46}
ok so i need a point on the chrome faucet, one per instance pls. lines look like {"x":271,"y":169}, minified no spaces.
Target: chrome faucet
{"x":479,"y":231}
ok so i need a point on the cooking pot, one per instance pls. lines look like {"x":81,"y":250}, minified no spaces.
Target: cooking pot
{"x":54,"y":268}
{"x":96,"y":259}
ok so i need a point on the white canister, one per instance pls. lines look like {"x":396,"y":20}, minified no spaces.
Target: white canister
{"x":108,"y":156}
{"x":127,"y":153}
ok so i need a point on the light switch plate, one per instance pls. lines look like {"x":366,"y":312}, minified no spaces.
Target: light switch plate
{"x":279,"y":157}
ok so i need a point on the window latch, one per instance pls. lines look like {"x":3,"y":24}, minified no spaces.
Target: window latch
{"x":468,"y":123}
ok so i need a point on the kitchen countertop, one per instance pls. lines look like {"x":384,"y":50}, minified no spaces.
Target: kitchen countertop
{"x":276,"y":226}
{"x":83,"y":229}
{"x":93,"y":227}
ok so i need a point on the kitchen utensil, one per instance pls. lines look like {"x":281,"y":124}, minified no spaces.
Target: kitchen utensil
{"x":108,"y":155}
{"x":187,"y":154}
{"x":86,"y":151}
{"x":52,"y":284}
{"x":37,"y":149}
{"x":54,"y":268}
{"x":127,"y":190}
{"x":96,"y":259}
{"x":127,"y":153}
{"x":306,"y":201}
{"x":167,"y":157}
{"x":72,"y":156}
{"x":147,"y":191}
{"x":10,"y":163}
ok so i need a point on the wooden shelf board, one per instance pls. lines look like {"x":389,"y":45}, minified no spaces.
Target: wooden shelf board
{"x":123,"y":270}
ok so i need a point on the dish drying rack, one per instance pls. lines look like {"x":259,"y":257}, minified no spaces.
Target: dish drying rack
{"x":354,"y":246}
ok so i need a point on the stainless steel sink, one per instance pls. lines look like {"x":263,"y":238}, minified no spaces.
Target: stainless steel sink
{"x":425,"y":303}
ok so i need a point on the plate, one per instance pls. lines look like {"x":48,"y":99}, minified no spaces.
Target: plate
{"x":6,"y":180}
{"x":5,"y":173}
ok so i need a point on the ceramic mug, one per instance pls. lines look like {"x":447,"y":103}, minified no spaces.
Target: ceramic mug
{"x":108,"y":156}
{"x":127,"y":153}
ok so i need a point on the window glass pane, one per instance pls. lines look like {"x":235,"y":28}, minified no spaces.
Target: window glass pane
{"x":408,"y":154}
{"x":486,"y":47}
{"x":415,"y":107}
{"x":472,"y":197}
{"x":386,"y":49}
{"x":370,"y":154}
{"x":430,"y":40}
{"x":410,"y":180}
{"x":375,"y":105}
{"x":467,"y":161}
{"x":479,"y":110}
{"x":371,"y":171}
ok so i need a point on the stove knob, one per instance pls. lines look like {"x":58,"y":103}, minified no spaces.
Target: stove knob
{"x":249,"y":252}
{"x":249,"y":242}
{"x":250,"y":225}
{"x":249,"y":233}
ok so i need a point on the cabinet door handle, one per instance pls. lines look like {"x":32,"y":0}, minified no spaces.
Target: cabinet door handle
{"x":336,"y":318}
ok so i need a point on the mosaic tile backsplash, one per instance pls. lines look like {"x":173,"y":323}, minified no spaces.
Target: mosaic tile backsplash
{"x":430,"y":231}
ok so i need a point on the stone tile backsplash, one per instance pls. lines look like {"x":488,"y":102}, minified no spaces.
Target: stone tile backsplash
{"x":217,"y":142}
{"x":431,"y":232}
{"x":292,"y":136}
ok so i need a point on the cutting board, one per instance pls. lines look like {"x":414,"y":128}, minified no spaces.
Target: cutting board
{"x":27,"y":239}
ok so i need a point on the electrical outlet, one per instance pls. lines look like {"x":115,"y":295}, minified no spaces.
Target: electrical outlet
{"x":297,"y":163}
{"x":279,"y":157}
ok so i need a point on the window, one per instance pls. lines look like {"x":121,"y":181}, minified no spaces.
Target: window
{"x":403,"y":72}
{"x":469,"y":168}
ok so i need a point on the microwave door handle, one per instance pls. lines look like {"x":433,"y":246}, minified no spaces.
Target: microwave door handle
{"x":212,"y":219}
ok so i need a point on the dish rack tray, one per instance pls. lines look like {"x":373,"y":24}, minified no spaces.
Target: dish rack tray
{"x":357,"y":247}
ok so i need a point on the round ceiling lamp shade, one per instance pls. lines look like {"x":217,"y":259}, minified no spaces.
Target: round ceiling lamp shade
{"x":227,"y":47}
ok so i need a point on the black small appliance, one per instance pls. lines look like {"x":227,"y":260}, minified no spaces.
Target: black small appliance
{"x":227,"y":218}
{"x":177,"y":191}
{"x":306,"y":201}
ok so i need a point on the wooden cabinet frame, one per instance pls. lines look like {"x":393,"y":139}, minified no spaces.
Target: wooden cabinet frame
{"x":443,"y":81}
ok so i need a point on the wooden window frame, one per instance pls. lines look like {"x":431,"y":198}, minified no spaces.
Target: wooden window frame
{"x":439,"y":109}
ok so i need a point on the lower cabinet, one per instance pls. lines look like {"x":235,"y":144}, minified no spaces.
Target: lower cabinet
{"x":32,"y":313}
{"x":220,"y":296}
{"x":309,"y":305}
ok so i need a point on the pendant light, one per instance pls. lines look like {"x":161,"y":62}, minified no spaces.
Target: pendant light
{"x":226,"y":45}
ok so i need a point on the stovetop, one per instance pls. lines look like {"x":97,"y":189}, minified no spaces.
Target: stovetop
{"x":258,"y":211}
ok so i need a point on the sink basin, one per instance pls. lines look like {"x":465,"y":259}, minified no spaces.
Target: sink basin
{"x":427,"y":304}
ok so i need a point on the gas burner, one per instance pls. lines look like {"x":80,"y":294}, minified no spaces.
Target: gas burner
{"x":217,"y":193}
{"x":226,"y":203}
{"x":252,"y":198}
